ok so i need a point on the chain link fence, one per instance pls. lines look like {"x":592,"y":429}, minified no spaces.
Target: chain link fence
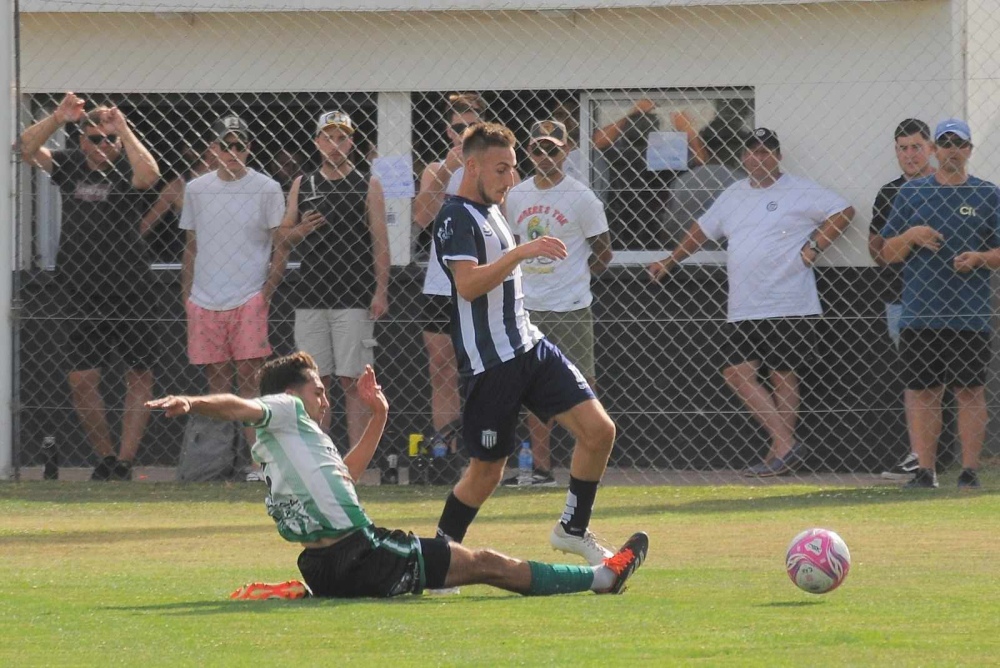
{"x":657,"y":102}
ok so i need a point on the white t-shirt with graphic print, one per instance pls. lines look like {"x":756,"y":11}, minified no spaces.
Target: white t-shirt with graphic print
{"x":767,"y":228}
{"x":571,"y":212}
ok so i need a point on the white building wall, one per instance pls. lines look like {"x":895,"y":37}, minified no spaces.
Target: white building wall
{"x":832,"y":79}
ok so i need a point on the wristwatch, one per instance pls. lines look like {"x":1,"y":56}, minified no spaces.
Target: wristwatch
{"x":813,"y":245}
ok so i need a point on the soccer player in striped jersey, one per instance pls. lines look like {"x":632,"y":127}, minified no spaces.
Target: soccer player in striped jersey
{"x":313,"y":501}
{"x":504,"y":361}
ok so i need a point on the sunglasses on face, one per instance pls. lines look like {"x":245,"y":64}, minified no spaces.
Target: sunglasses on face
{"x":235,"y":147}
{"x":948,"y":141}
{"x":459,"y":128}
{"x":97,"y":139}
{"x":549,"y":150}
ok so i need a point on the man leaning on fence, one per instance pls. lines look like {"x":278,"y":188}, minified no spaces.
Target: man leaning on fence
{"x":945,"y":229}
{"x":103,"y":280}
{"x":777,"y":224}
{"x":229,"y":273}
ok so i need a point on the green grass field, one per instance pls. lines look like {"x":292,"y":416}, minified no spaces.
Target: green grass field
{"x":140,"y":575}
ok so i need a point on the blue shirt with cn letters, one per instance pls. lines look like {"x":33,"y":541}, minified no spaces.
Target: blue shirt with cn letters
{"x":935,"y":296}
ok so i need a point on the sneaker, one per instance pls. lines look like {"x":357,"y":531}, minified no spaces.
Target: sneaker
{"x":261,"y":591}
{"x":758,"y":469}
{"x":103,"y":471}
{"x":255,"y":475}
{"x":968,"y":479}
{"x":923,"y":479}
{"x":122,"y":471}
{"x":626,"y":560}
{"x":539,"y":478}
{"x":904,"y":470}
{"x":785,"y":465}
{"x":586,"y":546}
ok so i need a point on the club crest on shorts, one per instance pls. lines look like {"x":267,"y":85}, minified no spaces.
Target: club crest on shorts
{"x":488,"y":438}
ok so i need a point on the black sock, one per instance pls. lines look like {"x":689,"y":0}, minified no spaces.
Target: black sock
{"x":579,"y":505}
{"x":455,"y":519}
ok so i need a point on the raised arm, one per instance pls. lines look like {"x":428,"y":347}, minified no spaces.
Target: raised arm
{"x":217,"y":406}
{"x":433,"y":183}
{"x":33,"y":139}
{"x":292,"y":230}
{"x":370,"y":393}
{"x":145,"y":171}
{"x":604,"y":137}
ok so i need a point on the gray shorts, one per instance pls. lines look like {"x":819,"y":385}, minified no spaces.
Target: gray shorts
{"x":342,"y":341}
{"x":573,"y":333}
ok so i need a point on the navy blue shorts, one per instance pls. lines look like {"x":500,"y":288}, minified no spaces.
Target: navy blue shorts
{"x":542,"y":380}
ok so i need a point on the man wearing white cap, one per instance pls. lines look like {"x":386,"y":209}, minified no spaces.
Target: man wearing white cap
{"x":337,"y":217}
{"x":945,"y":229}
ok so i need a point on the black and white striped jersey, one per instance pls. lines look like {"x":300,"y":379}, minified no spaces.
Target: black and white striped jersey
{"x":494,"y":327}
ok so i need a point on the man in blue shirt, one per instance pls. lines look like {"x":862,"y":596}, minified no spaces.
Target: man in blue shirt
{"x":945,"y":229}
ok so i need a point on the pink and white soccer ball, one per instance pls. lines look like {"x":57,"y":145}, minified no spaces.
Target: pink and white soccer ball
{"x":818,"y":560}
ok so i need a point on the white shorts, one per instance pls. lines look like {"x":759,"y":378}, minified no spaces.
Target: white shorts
{"x":342,"y":341}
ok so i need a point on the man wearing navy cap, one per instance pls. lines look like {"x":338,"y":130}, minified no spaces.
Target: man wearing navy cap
{"x":777,"y":225}
{"x":945,"y":230}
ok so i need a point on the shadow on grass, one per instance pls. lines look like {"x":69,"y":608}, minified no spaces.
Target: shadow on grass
{"x":127,"y":535}
{"x":789,"y":604}
{"x":195,"y":608}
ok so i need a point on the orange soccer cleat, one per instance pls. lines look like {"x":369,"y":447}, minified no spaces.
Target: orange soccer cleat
{"x":262,"y":591}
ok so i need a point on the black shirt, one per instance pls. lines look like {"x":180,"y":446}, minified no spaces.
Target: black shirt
{"x":100,"y":250}
{"x":880,"y":215}
{"x":338,"y":265}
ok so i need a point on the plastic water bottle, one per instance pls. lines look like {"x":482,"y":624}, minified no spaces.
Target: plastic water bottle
{"x":51,"y":457}
{"x":525,"y":464}
{"x":438,"y":447}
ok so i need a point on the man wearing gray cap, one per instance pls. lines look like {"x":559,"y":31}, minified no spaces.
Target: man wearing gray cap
{"x":777,"y":224}
{"x":945,"y":229}
{"x":230,"y":267}
{"x":336,"y":216}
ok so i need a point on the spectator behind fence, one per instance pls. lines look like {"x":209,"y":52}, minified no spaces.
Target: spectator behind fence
{"x":504,"y":360}
{"x":285,"y":167}
{"x":159,"y":226}
{"x":229,"y":273}
{"x":945,"y":229}
{"x":337,"y":214}
{"x":568,"y":114}
{"x":637,"y":197}
{"x":102,"y":278}
{"x":314,"y":503}
{"x":557,"y":292}
{"x":695,"y":190}
{"x":777,"y":225}
{"x":913,"y":153}
{"x":439,"y":180}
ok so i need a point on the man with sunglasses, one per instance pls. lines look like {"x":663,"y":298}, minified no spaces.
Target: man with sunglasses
{"x":101,"y":274}
{"x":557,"y":292}
{"x":945,"y":230}
{"x":230,"y":269}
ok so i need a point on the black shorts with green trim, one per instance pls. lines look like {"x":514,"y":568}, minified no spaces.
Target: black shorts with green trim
{"x":375,"y":563}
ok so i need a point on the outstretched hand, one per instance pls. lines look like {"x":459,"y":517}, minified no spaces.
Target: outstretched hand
{"x":370,"y":392}
{"x":173,"y":406}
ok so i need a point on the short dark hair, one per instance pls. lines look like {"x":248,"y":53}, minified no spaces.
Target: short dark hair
{"x":912,"y":126}
{"x":481,"y":136}
{"x":93,"y":118}
{"x":286,"y":372}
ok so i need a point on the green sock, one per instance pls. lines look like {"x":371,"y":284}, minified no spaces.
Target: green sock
{"x":548,"y":579}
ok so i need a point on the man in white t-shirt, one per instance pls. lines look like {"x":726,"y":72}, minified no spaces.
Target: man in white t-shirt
{"x":557,"y":292}
{"x":231,"y":268}
{"x":777,"y":225}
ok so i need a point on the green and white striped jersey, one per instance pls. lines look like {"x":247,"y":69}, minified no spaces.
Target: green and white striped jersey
{"x":311,"y":494}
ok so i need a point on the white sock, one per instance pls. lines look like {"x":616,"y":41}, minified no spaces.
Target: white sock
{"x":604,"y":577}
